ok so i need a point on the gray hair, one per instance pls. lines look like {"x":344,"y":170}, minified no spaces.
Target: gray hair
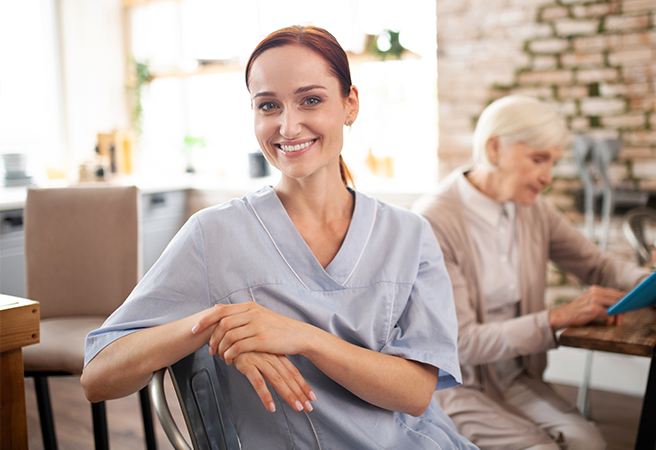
{"x":518,"y":118}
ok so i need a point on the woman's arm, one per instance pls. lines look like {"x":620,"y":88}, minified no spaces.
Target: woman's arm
{"x":127,"y":364}
{"x":386,"y":381}
{"x":572,"y":251}
{"x":389,"y":382}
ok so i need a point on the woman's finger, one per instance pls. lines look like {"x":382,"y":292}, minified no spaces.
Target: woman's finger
{"x":298,"y":378}
{"x":257,"y":381}
{"x":223,"y":341}
{"x":218,"y":312}
{"x":277,"y":374}
{"x":282,"y":375}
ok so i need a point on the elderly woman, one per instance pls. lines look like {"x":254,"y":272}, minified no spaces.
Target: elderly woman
{"x":497,"y":235}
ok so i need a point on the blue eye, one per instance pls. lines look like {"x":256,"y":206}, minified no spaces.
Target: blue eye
{"x":312,"y":101}
{"x":267,"y":106}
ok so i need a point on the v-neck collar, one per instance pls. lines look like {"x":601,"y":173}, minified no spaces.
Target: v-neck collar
{"x":273,"y":217}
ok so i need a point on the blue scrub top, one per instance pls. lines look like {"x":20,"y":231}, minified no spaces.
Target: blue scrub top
{"x":386,"y":290}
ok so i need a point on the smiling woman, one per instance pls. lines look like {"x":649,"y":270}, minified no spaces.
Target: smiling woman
{"x":329,"y":313}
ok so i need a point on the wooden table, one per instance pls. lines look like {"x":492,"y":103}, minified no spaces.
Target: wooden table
{"x":19,"y":326}
{"x":636,"y":336}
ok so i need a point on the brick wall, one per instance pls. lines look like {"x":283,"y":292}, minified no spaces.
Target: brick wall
{"x":594,"y":61}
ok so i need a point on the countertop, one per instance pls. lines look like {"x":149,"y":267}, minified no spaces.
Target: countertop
{"x":12,"y":198}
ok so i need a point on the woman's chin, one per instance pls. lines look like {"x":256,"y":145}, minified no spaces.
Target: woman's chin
{"x":528,"y":199}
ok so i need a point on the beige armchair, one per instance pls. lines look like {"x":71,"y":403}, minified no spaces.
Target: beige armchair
{"x":82,"y":252}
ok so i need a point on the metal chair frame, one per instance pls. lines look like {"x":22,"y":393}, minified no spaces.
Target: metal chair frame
{"x":197,"y":384}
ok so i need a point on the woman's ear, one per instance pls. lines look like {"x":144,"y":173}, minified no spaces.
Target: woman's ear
{"x":352,"y":106}
{"x":493,"y":148}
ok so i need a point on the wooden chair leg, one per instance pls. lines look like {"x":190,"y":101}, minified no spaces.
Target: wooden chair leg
{"x":100,"y":435}
{"x":147,"y":414}
{"x":45,"y":412}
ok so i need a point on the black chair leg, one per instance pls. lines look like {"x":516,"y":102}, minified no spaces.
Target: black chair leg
{"x":100,"y":435}
{"x":147,"y":414}
{"x":45,"y":412}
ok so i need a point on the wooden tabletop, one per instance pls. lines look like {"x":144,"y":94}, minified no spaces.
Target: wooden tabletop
{"x":19,"y":326}
{"x":636,"y":336}
{"x":19,"y":322}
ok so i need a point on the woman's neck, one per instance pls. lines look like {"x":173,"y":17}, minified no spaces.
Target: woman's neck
{"x":488,"y":183}
{"x":317,"y":201}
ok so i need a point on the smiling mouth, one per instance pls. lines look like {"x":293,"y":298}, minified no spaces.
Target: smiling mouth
{"x":295,"y":148}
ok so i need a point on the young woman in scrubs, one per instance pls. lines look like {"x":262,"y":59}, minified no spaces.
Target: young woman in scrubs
{"x":340,"y":302}
{"x":498,"y":234}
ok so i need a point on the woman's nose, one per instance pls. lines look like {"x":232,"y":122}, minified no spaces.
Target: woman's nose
{"x":290,"y":124}
{"x":546,"y":177}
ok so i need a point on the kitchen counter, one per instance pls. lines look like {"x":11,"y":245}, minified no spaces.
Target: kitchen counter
{"x":208,"y":190}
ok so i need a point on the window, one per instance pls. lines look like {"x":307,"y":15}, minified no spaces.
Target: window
{"x":30,"y":83}
{"x":196,"y":50}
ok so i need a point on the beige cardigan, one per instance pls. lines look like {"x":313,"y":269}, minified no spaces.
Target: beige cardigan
{"x":543,"y":235}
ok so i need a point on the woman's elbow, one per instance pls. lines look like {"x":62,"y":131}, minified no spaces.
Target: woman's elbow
{"x":91,"y":391}
{"x":421,"y":406}
{"x":424,"y":391}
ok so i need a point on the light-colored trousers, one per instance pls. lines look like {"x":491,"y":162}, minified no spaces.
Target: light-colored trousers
{"x":532,"y":415}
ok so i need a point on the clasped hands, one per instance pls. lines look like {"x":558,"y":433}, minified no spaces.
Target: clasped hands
{"x":256,"y":340}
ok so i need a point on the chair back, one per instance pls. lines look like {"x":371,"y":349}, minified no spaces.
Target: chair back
{"x":82,"y":248}
{"x":196,"y":381}
{"x":635,"y":227}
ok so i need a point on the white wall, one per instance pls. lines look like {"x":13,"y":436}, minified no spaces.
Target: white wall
{"x":611,"y":372}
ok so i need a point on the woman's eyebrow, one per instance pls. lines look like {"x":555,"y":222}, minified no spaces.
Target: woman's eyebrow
{"x":308,"y":88}
{"x":264,"y":94}
{"x":298,"y":91}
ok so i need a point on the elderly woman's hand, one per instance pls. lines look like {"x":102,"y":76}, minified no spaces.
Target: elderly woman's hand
{"x":591,"y":305}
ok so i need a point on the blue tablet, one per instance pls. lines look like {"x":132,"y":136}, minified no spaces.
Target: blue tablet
{"x":642,"y":295}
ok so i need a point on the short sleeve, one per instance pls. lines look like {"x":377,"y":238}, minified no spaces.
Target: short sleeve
{"x":175,"y":287}
{"x":427,"y":328}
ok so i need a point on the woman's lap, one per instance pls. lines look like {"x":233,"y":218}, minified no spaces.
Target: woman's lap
{"x":533,"y":414}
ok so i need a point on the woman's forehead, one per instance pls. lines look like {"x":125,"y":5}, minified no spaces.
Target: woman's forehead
{"x":288,"y":66}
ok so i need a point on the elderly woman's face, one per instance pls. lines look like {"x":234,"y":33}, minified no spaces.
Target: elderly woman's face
{"x":523,"y":171}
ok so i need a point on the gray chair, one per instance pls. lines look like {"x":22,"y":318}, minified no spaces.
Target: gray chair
{"x":635,"y":226}
{"x":196,"y":380}
{"x":82,"y":261}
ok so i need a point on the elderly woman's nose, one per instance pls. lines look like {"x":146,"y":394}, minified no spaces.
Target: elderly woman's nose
{"x":546,"y":175}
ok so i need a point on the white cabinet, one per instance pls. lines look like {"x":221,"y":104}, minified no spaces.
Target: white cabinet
{"x":12,"y":254}
{"x":163,"y":213}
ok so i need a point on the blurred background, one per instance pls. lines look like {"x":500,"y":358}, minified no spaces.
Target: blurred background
{"x":167,"y":76}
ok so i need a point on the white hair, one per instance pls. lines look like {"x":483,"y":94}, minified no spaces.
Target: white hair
{"x":518,"y":118}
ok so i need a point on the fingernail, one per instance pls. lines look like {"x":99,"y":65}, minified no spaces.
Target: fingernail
{"x":312,"y":396}
{"x":308,"y":406}
{"x":299,"y":406}
{"x":211,"y":351}
{"x":195,"y":328}
{"x":272,"y":407}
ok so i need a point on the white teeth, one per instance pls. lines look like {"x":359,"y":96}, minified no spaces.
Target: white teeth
{"x":295,"y":148}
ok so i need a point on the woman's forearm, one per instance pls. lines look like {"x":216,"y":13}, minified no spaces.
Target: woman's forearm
{"x":389,"y":382}
{"x":127,"y":364}
{"x":386,"y":381}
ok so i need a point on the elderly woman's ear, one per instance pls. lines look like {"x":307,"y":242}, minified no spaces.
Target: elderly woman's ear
{"x":493,"y":148}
